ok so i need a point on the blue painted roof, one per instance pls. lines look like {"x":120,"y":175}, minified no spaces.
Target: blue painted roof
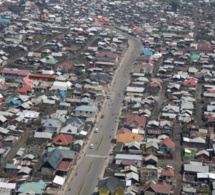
{"x":14,"y":101}
{"x":37,"y":187}
{"x":4,"y":20}
{"x":63,"y":94}
{"x":146,"y":52}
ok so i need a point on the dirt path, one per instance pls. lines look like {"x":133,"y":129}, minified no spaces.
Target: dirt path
{"x":198,"y":108}
{"x":159,"y":104}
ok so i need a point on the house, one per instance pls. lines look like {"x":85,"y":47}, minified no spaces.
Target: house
{"x":204,"y":48}
{"x":53,"y":159}
{"x":142,"y":58}
{"x":111,"y":185}
{"x":77,"y":145}
{"x":134,"y":120}
{"x":151,"y":147}
{"x":51,"y":125}
{"x":97,"y":23}
{"x":123,"y":130}
{"x":28,"y":81}
{"x":14,"y":73}
{"x":3,"y":120}
{"x":146,"y":52}
{"x":65,"y":66}
{"x":202,"y":155}
{"x":86,"y":111}
{"x":190,"y":83}
{"x":196,"y":167}
{"x":147,"y":69}
{"x":37,"y":188}
{"x":62,"y":140}
{"x":42,"y":77}
{"x":151,"y":160}
{"x":63,"y":168}
{"x":168,"y":175}
{"x":107,"y":57}
{"x":133,"y":146}
{"x":128,"y":137}
{"x":194,"y":57}
{"x":24,"y":90}
{"x":24,"y":171}
{"x":134,"y":91}
{"x":44,"y":17}
{"x":171,"y":109}
{"x":148,"y":173}
{"x":76,"y":122}
{"x":100,"y":77}
{"x":5,"y":20}
{"x":69,"y":129}
{"x":157,"y":188}
{"x":128,"y":159}
{"x":166,"y":125}
{"x":154,"y":87}
{"x":167,"y":145}
{"x":152,"y":124}
{"x":3,"y":88}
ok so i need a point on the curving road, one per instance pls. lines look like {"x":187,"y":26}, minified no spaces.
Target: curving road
{"x":92,"y":163}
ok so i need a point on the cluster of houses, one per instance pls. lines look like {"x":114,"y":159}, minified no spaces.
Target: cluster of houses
{"x":57,"y":59}
{"x":55,"y":72}
{"x":165,"y":140}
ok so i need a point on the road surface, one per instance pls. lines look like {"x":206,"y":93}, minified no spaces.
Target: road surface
{"x":93,"y":161}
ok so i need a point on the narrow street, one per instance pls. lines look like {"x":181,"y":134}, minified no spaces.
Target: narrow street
{"x":198,"y":109}
{"x":159,"y":104}
{"x":157,"y":65}
{"x":177,"y":157}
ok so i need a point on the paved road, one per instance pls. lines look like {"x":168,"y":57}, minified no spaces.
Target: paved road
{"x":92,"y":163}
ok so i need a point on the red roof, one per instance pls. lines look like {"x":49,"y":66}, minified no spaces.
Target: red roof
{"x":62,"y":140}
{"x":168,"y":172}
{"x":35,"y":76}
{"x":211,"y":91}
{"x":137,"y":30}
{"x":33,"y":6}
{"x":205,"y":47}
{"x":107,"y":54}
{"x":60,"y":38}
{"x":190,"y":82}
{"x":15,"y":71}
{"x":141,"y":120}
{"x":161,"y":187}
{"x":140,"y":66}
{"x":168,"y":142}
{"x":150,"y":40}
{"x":123,"y":130}
{"x":3,"y":86}
{"x":65,"y":66}
{"x":24,"y":89}
{"x":28,"y":81}
{"x":211,"y":119}
{"x":105,"y":19}
{"x":155,"y":84}
{"x":143,"y":58}
{"x":64,"y":166}
{"x":97,"y":23}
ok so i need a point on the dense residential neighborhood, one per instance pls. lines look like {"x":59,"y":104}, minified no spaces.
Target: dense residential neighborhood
{"x":107,"y":97}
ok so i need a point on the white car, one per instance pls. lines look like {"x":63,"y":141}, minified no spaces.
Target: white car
{"x":96,"y":130}
{"x":91,"y":146}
